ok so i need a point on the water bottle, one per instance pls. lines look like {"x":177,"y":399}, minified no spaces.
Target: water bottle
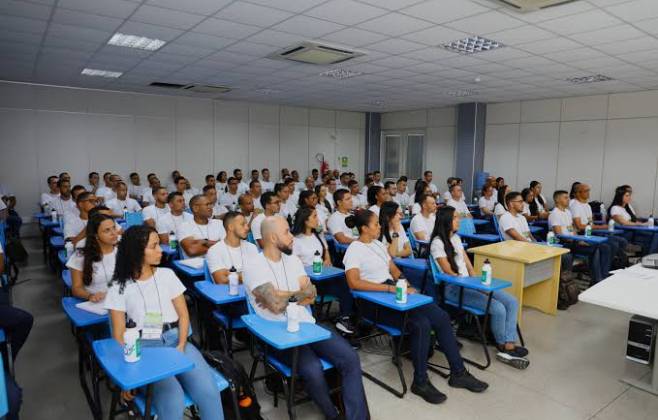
{"x":588,"y":230}
{"x":53,"y":216}
{"x":550,"y":238}
{"x":603,"y":213}
{"x":125,"y":212}
{"x":233,"y":282}
{"x":406,"y":212}
{"x":172,"y":240}
{"x":69,"y":248}
{"x":319,"y":229}
{"x":401,"y":291}
{"x":132,"y":348}
{"x":317,"y":263}
{"x":650,"y":222}
{"x":486,"y":272}
{"x":292,"y":313}
{"x":46,"y":208}
{"x":611,"y":225}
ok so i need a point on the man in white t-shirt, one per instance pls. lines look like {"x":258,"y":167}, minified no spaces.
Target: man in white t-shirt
{"x":377,"y":179}
{"x":427,"y":177}
{"x":401,"y":197}
{"x":246,"y":207}
{"x":336,"y":223}
{"x":172,"y":221}
{"x":198,"y":235}
{"x":456,"y":200}
{"x":53,"y":192}
{"x":265,"y":182}
{"x":288,"y":206}
{"x":451,"y":181}
{"x":64,"y":204}
{"x":359,"y":201}
{"x":147,"y":192}
{"x":512,"y":224}
{"x":135,"y":189}
{"x":181,"y":187}
{"x":233,"y":251}
{"x":271,"y":280}
{"x":122,"y":203}
{"x":158,"y":210}
{"x":487,"y":202}
{"x":230,"y":198}
{"x":422,"y":224}
{"x":255,"y":190}
{"x":218,"y":211}
{"x":242,"y":186}
{"x":75,"y":224}
{"x":106,"y":192}
{"x":94,"y":180}
{"x":271,"y":206}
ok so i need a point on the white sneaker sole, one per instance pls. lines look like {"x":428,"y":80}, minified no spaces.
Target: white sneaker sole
{"x":340,"y":327}
{"x":517,"y":362}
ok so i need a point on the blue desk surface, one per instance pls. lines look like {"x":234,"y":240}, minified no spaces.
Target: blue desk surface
{"x":187,"y":270}
{"x":47,"y":223}
{"x":58,"y":231}
{"x":157,"y":363}
{"x":61,"y":255}
{"x":480,"y":222}
{"x":542,"y":222}
{"x":640,"y":228}
{"x":218,"y":293}
{"x":589,"y":239}
{"x":276,"y":335}
{"x":388,"y":300}
{"x":536,"y":229}
{"x":66,"y":278}
{"x":81,"y":318}
{"x":40,"y":216}
{"x":57,"y":241}
{"x":412,"y":263}
{"x":475,"y":283}
{"x":166,"y":249}
{"x":341,"y":247}
{"x":606,"y":232}
{"x":328,"y":273}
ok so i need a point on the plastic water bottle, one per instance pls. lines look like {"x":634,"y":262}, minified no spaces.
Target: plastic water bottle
{"x":588,"y":230}
{"x":317,"y":263}
{"x":611,"y":225}
{"x":406,"y":212}
{"x":132,"y":348}
{"x":233,"y":281}
{"x":603,"y":213}
{"x":173,"y":243}
{"x":69,"y":248}
{"x":292,"y":314}
{"x":53,"y":216}
{"x":650,"y":222}
{"x":125,"y":212}
{"x":486,"y":272}
{"x":401,"y":291}
{"x":550,"y":238}
{"x":46,"y":208}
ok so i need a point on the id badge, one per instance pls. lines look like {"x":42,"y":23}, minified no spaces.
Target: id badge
{"x":152,"y":329}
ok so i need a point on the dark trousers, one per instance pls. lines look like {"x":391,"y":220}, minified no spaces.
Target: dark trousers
{"x":339,"y":353}
{"x":420,"y":322}
{"x":14,"y":397}
{"x":598,"y":258}
{"x":617,"y":247}
{"x":341,"y":291}
{"x":17,"y":325}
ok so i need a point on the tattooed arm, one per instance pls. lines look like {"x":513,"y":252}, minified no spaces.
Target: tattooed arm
{"x":307,"y":293}
{"x":270,"y":298}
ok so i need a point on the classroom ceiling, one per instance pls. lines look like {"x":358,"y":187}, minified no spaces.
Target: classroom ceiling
{"x":225,"y":42}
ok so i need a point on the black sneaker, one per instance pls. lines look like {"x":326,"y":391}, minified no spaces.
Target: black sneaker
{"x":428,"y":392}
{"x":518,"y":351}
{"x":517,"y":362}
{"x":467,"y":381}
{"x":344,"y":325}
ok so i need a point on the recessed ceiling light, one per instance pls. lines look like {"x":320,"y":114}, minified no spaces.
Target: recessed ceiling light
{"x":135,"y":41}
{"x":340,"y":73}
{"x":472,"y":45}
{"x":589,"y":79}
{"x":460,"y":93}
{"x":101,"y":73}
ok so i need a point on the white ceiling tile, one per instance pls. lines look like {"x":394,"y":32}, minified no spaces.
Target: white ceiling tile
{"x":19,"y":24}
{"x":395,"y":46}
{"x":485,"y":23}
{"x":594,"y":64}
{"x":308,"y":26}
{"x":354,"y":37}
{"x":195,"y":39}
{"x":201,"y":7}
{"x":649,"y":25}
{"x":231,"y":57}
{"x":642,"y":56}
{"x":252,"y":14}
{"x":148,"y":30}
{"x":88,"y":20}
{"x":612,"y":34}
{"x":520,"y":35}
{"x":187,"y":50}
{"x":436,"y":35}
{"x":429,"y":54}
{"x":549,"y":45}
{"x":637,"y":11}
{"x":575,"y":54}
{"x":394,"y":24}
{"x":444,"y":10}
{"x":25,"y":9}
{"x":78,"y":44}
{"x":275,"y":38}
{"x":225,"y":28}
{"x":395,"y":62}
{"x":631,"y":45}
{"x":581,"y":22}
{"x":250,"y":48}
{"x":112,"y":8}
{"x":392,"y":4}
{"x":502,"y":54}
{"x":345,"y":12}
{"x":20,"y":38}
{"x":111,"y":50}
{"x":77,"y":33}
{"x":166,"y":17}
{"x":550,"y":12}
{"x":289,"y":5}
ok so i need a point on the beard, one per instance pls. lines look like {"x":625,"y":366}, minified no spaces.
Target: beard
{"x":286,"y":249}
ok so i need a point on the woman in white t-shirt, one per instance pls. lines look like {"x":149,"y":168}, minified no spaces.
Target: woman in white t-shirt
{"x":487,"y":202}
{"x":369,"y":268}
{"x":93,"y":266}
{"x":151,"y":298}
{"x":623,"y":213}
{"x":393,"y":235}
{"x":499,"y":208}
{"x":446,"y":248}
{"x":540,"y":201}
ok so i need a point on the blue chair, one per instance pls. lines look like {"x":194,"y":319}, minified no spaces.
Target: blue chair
{"x":467,"y":232}
{"x":68,"y":283}
{"x":250,"y":238}
{"x":4,"y":342}
{"x":134,"y":219}
{"x":4,"y":404}
{"x":4,"y":278}
{"x":420,"y":249}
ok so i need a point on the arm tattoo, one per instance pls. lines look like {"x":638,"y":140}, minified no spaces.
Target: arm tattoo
{"x":267,"y":298}
{"x":306,"y":293}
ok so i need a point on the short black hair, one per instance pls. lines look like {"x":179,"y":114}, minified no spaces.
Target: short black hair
{"x":352,"y":182}
{"x":427,"y":173}
{"x":558,"y":193}
{"x":278,"y":187}
{"x":50,"y":178}
{"x":92,"y":174}
{"x":178,"y":179}
{"x":339,"y":194}
{"x":154,"y":190}
{"x":388,"y":184}
{"x":511,"y":196}
{"x":209,"y":176}
{"x":253,"y":182}
{"x":266,"y":198}
{"x":173,"y":195}
{"x":207,"y":188}
{"x":132,"y":174}
{"x":229,"y":217}
{"x":82,"y":197}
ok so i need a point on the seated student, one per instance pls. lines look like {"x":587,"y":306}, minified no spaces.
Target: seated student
{"x":393,"y":235}
{"x":287,"y":204}
{"x":487,"y":201}
{"x":336,"y":223}
{"x":447,"y":249}
{"x":272,"y":279}
{"x":421,"y":189}
{"x":171,"y":187}
{"x":210,"y":180}
{"x":140,"y":288}
{"x":343,"y":179}
{"x":451,"y":181}
{"x":74,"y":224}
{"x":122,"y":203}
{"x":147,"y":192}
{"x":243,"y":187}
{"x":256,"y":190}
{"x":512,"y":224}
{"x":182,"y":187}
{"x":367,"y":183}
{"x":376,"y":197}
{"x":64,"y":204}
{"x":198,"y":235}
{"x":93,"y":185}
{"x":93,"y":266}
{"x":323,"y":207}
{"x":391,"y":189}
{"x":294,"y":194}
{"x":540,"y":201}
{"x":308,"y":184}
{"x":331,"y":189}
{"x":359,"y":199}
{"x":427,"y":177}
{"x":500,"y":182}
{"x":401,"y":197}
{"x":221,"y":182}
{"x":12,"y":219}
{"x":135,"y":188}
{"x":232,"y":251}
{"x":622,"y":212}
{"x":172,"y":221}
{"x":528,"y":197}
{"x":307,"y":241}
{"x":422,"y":224}
{"x":560,"y":221}
{"x":307,"y":198}
{"x":271,"y":205}
{"x":582,"y":216}
{"x":254,"y":175}
{"x":246,"y":207}
{"x":157,"y":210}
{"x":457,"y":201}
{"x":218,"y":211}
{"x":106,"y":192}
{"x":265,"y":182}
{"x":536,"y":207}
{"x":52,"y":194}
{"x":369,"y":267}
{"x":501,"y":208}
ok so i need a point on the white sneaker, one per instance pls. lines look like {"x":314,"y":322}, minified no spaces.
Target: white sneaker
{"x":517,"y":362}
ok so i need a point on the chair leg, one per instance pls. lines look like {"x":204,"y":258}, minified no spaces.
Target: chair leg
{"x":518,"y":331}
{"x":483,"y":340}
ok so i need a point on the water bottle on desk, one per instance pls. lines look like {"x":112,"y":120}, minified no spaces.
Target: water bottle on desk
{"x":233,"y":281}
{"x":125,"y":212}
{"x":588,"y":230}
{"x":603,"y":213}
{"x":292,"y":314}
{"x":317,"y":263}
{"x":401,"y":291}
{"x":486,"y":273}
{"x":611,"y":225}
{"x":550,"y":238}
{"x":132,"y":348}
{"x":650,"y":222}
{"x":69,"y":248}
{"x":173,"y":243}
{"x":53,"y":216}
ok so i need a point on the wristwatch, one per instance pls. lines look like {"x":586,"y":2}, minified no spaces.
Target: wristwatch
{"x":395,"y":235}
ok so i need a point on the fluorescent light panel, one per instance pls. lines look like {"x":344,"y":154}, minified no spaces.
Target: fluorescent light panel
{"x":340,"y":73}
{"x":135,"y":41}
{"x":589,"y":79}
{"x":472,"y":45}
{"x":460,"y":93}
{"x":101,"y":73}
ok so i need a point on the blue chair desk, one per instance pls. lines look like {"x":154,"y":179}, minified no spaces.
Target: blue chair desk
{"x":168,"y":251}
{"x":195,"y":273}
{"x":156,"y":363}
{"x":606,"y":232}
{"x":58,"y":231}
{"x":638,"y":228}
{"x":61,"y":256}
{"x":415,"y":269}
{"x":480,"y":222}
{"x":217,"y":294}
{"x":328,"y":273}
{"x":4,"y":404}
{"x":48,"y":223}
{"x":68,"y":282}
{"x":592,"y":240}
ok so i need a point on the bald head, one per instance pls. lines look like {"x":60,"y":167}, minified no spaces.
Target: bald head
{"x":276,"y":235}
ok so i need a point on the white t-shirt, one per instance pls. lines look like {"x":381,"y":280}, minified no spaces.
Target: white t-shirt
{"x":136,"y":190}
{"x":147,"y":195}
{"x":583,"y":211}
{"x":433,"y":188}
{"x":170,"y":223}
{"x":375,"y":209}
{"x":155,"y":213}
{"x":218,"y":210}
{"x":222,"y":256}
{"x":47,"y":197}
{"x":255,"y":226}
{"x":371,"y":259}
{"x":213,"y":231}
{"x":487,"y":203}
{"x":620,"y":211}
{"x":243,"y":187}
{"x":105,"y":193}
{"x":402,"y":239}
{"x":284,"y":275}
{"x":289,"y":208}
{"x":360,"y":200}
{"x":415,"y":209}
{"x":446,"y":195}
{"x":117,"y":205}
{"x":267,"y":186}
{"x":229,"y":200}
{"x":402,"y":199}
{"x":420,"y":223}
{"x":526,"y":209}
{"x":459,"y":205}
{"x":153,"y":295}
{"x":499,"y":210}
{"x":330,"y":199}
{"x":102,"y":270}
{"x":73,"y":225}
{"x":540,"y":206}
{"x":561,"y":218}
{"x":187,"y":195}
{"x":257,"y":204}
{"x":305,"y":246}
{"x":437,"y":249}
{"x":518,"y":223}
{"x":336,"y":224}
{"x":63,"y":207}
{"x":323,"y":215}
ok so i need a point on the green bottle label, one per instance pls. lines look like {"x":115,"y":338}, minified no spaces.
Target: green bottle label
{"x":317,"y":267}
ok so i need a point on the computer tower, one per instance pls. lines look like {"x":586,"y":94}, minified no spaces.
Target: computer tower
{"x":641,"y":342}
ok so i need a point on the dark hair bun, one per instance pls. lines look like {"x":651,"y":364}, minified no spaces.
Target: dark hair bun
{"x":350,"y":222}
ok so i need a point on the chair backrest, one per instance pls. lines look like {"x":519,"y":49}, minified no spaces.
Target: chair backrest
{"x":3,"y":240}
{"x":4,"y":406}
{"x":250,"y":238}
{"x":466,"y":226}
{"x":497,"y":228}
{"x":412,"y":241}
{"x":437,"y":274}
{"x":206,"y":272}
{"x":134,"y":219}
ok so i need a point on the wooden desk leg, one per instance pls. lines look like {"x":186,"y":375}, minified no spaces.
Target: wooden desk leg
{"x":543,"y":296}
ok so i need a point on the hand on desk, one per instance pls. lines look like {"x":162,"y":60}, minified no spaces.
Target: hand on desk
{"x":97,"y":297}
{"x":181,"y":348}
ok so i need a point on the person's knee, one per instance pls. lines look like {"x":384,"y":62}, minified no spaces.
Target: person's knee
{"x":497,"y":309}
{"x":312,"y":372}
{"x":171,"y":402}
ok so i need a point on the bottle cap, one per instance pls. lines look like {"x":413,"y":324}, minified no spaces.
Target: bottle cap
{"x":233,"y":270}
{"x":131,"y":324}
{"x":487,"y":261}
{"x":292,"y":299}
{"x":317,"y":252}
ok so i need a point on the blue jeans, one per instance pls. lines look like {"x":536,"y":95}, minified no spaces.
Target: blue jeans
{"x":168,"y":394}
{"x":339,"y":353}
{"x":503,"y":311}
{"x":647,"y":240}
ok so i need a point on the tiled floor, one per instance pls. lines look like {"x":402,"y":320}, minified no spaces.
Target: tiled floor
{"x":576,"y":358}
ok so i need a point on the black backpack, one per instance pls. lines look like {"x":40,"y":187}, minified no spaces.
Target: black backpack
{"x":240,"y":395}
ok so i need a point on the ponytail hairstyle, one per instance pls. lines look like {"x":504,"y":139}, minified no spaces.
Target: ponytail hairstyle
{"x":386,"y":213}
{"x":538,"y":197}
{"x":92,"y":250}
{"x":303,"y":196}
{"x":443,"y":231}
{"x":299,"y":227}
{"x":130,"y":254}
{"x":359,"y":220}
{"x":572,"y":193}
{"x":372,"y":194}
{"x":419,"y":191}
{"x":501,"y":196}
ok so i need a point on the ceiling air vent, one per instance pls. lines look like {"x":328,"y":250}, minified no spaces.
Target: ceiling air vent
{"x":167,"y":85}
{"x":532,"y":5}
{"x":207,"y":89}
{"x":314,"y":53}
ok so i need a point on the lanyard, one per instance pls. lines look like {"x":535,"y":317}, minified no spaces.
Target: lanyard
{"x":228,"y":249}
{"x":142,"y":293}
{"x":284,"y":273}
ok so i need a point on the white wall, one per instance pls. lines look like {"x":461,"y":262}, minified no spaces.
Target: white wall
{"x":603,"y":140}
{"x":46,"y":130}
{"x":439,"y":125}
